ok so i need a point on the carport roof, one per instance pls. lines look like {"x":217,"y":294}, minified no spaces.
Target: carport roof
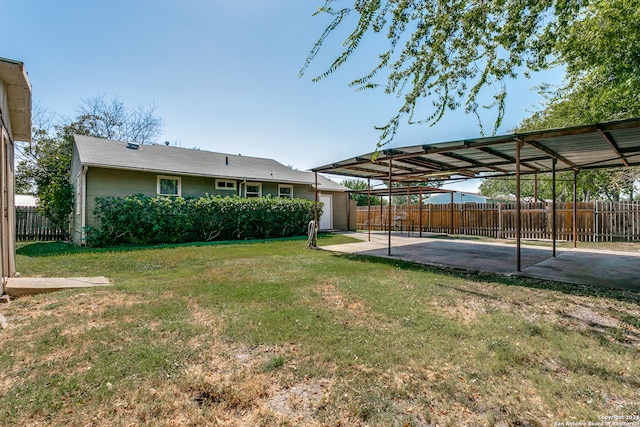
{"x":602,"y":145}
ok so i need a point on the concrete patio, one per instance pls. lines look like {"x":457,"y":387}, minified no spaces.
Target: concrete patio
{"x":19,"y":286}
{"x":619,"y":270}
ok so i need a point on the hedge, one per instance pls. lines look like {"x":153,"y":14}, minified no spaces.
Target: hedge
{"x":143,"y":220}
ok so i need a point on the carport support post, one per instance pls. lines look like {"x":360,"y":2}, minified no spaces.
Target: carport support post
{"x":349,"y":213}
{"x":420,"y":213}
{"x":381,"y":215}
{"x":369,"y":208}
{"x":553,"y":205}
{"x":389,"y":219}
{"x":407,"y":215}
{"x":518,"y":260}
{"x":575,"y":207}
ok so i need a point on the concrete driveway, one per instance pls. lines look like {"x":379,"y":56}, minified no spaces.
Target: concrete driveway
{"x":620,"y":270}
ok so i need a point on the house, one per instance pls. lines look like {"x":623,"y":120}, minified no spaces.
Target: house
{"x":458,"y":197}
{"x":103,"y":167}
{"x":15,"y":121}
{"x":25,"y":200}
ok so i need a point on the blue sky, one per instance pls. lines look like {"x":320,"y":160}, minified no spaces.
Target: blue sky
{"x":223,"y":75}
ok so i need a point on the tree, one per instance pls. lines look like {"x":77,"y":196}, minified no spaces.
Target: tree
{"x":112,"y":120}
{"x":44,"y":166}
{"x":590,"y":185}
{"x":361,"y":199}
{"x":447,"y":51}
{"x":601,"y":53}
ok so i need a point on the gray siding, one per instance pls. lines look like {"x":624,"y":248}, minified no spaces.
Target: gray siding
{"x":76,"y":213}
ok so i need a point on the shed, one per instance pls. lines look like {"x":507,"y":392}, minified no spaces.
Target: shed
{"x":15,"y":123}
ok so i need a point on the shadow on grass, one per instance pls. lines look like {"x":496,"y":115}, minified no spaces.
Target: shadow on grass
{"x":47,"y":249}
{"x":566,"y":288}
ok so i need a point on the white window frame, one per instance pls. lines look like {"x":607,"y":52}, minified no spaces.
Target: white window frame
{"x":172,"y":178}
{"x":246,"y":188}
{"x":225,"y":186}
{"x":289,"y":186}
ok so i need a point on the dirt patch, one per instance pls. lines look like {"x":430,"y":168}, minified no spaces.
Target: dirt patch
{"x":299,"y":402}
{"x":603,"y":316}
{"x":352,"y":311}
{"x":589,"y":318}
{"x":87,"y":305}
{"x":465,"y":312}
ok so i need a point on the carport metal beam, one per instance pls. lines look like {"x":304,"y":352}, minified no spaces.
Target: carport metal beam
{"x":603,"y":145}
{"x":614,"y":146}
{"x":549,"y":152}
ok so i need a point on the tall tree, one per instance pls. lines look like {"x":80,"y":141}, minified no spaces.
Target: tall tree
{"x":112,"y":120}
{"x":601,"y":54}
{"x":446,"y":51}
{"x":44,"y":166}
{"x":361,"y":199}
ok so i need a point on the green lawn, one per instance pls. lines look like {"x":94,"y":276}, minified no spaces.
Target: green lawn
{"x":272,"y":333}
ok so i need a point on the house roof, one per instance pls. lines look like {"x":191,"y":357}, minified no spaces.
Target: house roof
{"x":25,"y":200}
{"x":105,"y":153}
{"x":602,"y":145}
{"x":18,"y":96}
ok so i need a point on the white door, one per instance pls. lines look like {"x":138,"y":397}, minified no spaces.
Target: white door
{"x":326,"y":220}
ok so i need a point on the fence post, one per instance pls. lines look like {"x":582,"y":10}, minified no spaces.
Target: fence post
{"x":633,"y":221}
{"x":595,"y":221}
{"x":499,"y":233}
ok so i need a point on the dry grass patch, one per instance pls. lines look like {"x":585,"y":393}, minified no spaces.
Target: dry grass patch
{"x":336,"y":301}
{"x":271,"y":334}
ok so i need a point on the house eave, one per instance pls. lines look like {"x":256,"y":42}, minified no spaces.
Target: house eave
{"x":196,"y":175}
{"x":14,"y":75}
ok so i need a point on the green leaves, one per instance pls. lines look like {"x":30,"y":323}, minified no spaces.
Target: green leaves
{"x":447,"y":51}
{"x":144,"y":220}
{"x":44,"y":167}
{"x":601,"y":53}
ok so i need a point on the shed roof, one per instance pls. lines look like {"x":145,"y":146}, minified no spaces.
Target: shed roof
{"x":18,"y":96}
{"x":105,"y":153}
{"x":602,"y":145}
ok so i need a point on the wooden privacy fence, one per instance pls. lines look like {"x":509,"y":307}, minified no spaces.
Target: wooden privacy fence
{"x":30,"y":225}
{"x":597,"y":221}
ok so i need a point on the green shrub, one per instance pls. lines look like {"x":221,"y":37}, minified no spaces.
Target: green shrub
{"x":145,"y":220}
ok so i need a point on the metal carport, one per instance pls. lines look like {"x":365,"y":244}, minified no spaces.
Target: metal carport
{"x":602,"y":145}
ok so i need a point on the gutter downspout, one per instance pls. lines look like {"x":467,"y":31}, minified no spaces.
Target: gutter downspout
{"x":83,"y":206}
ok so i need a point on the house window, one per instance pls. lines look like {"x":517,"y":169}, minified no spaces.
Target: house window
{"x":225,"y":184}
{"x":253,"y":189}
{"x":169,"y":185}
{"x":285,"y":191}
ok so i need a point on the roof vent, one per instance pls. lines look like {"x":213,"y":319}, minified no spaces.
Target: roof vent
{"x":133,"y":145}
